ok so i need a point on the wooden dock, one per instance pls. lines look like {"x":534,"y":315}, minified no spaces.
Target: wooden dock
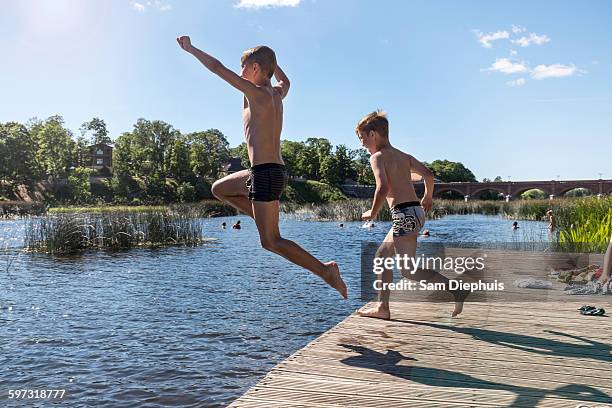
{"x":495,"y":355}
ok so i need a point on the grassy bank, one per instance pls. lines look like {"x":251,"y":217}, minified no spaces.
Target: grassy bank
{"x":201,"y":209}
{"x":351,"y":209}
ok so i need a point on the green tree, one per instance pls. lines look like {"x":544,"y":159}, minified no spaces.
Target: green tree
{"x":99,"y":132}
{"x":151,"y":145}
{"x":17,"y":153}
{"x":330,"y":170}
{"x":178,"y":160}
{"x":312,"y":156}
{"x":55,"y":146}
{"x":362,"y":167}
{"x":449,"y":171}
{"x":78,"y":180}
{"x":290,"y":151}
{"x":344,"y":157}
{"x":209,"y":151}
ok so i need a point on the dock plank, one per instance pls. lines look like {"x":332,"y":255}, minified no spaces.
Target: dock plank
{"x":496,"y":355}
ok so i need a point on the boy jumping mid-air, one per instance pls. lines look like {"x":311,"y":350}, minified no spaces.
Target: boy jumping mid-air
{"x":256,"y":192}
{"x":393,"y":173}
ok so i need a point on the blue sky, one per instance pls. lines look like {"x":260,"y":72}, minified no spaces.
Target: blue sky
{"x":518,"y":89}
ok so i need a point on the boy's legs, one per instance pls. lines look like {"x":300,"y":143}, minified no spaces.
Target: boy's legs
{"x":381,"y":310}
{"x":232,"y":189}
{"x":266,"y":219}
{"x":407,"y":245}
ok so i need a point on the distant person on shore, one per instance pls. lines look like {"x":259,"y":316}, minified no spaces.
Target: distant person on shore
{"x":223,"y":225}
{"x":515,"y":225}
{"x":606,"y":272}
{"x":237,"y":225}
{"x":551,"y":220}
{"x":392,"y":171}
{"x":257,"y":191}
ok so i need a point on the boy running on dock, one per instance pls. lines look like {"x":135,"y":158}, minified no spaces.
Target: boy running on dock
{"x":392,"y":170}
{"x":256,"y":192}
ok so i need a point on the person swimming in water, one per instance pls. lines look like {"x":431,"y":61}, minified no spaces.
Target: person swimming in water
{"x":515,"y":225}
{"x":223,"y":225}
{"x":237,"y":225}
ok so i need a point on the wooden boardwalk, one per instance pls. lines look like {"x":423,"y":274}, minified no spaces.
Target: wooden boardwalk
{"x":495,"y":355}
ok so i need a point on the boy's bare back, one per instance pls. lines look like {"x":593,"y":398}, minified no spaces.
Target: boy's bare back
{"x":397,"y":166}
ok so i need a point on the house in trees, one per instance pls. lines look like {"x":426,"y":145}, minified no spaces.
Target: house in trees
{"x":234,"y":165}
{"x":101,"y":159}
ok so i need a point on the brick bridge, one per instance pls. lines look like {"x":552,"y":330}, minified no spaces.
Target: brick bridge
{"x":509,"y":189}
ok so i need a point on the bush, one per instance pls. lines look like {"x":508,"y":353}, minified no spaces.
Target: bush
{"x":102,"y":190}
{"x":186,"y":192}
{"x":203,"y":190}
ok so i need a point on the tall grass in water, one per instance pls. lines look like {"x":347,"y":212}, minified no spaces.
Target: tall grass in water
{"x":585,"y":226}
{"x":71,"y":233}
{"x":347,"y":210}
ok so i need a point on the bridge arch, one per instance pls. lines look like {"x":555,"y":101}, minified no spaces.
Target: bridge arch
{"x":519,"y":192}
{"x":567,"y":189}
{"x":442,"y":190}
{"x":476,"y":193}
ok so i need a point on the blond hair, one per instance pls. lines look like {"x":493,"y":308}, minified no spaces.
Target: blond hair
{"x":262,"y":55}
{"x":376,"y":121}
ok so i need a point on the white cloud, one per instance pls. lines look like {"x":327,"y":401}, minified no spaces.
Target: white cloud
{"x":554,"y":71}
{"x":513,"y":52}
{"x":138,"y":7}
{"x":154,"y":4}
{"x":518,"y":29}
{"x":516,"y":82}
{"x":532,"y":39}
{"x":255,"y":4}
{"x":506,"y":66}
{"x":485,"y":39}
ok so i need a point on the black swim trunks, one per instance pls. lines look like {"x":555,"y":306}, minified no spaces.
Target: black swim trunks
{"x":266,"y":181}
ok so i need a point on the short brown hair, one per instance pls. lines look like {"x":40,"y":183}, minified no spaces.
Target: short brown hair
{"x":376,"y":121}
{"x":262,"y":55}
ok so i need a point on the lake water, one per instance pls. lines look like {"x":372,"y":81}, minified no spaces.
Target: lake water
{"x":182,"y":326}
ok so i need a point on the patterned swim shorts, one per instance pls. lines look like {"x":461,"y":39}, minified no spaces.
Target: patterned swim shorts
{"x":408,"y":218}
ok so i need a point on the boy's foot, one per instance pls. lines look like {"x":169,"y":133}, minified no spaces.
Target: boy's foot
{"x":460,"y":296}
{"x":332,"y":278}
{"x":376,"y":312}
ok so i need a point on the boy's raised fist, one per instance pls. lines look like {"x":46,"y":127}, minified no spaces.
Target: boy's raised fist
{"x":184,"y":41}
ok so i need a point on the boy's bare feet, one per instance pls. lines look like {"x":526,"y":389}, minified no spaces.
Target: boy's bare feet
{"x":380,"y":311}
{"x":460,"y":296}
{"x":332,"y":277}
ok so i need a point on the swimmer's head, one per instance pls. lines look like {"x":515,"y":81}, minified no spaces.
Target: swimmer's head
{"x":258,"y":63}
{"x":371,"y":128}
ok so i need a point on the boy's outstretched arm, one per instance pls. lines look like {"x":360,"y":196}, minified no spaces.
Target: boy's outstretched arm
{"x":283,"y":82}
{"x":382,"y":186}
{"x":420,"y":168}
{"x":216,"y":67}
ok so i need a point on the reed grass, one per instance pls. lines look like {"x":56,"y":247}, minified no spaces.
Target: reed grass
{"x":64,"y":234}
{"x":586,"y":226}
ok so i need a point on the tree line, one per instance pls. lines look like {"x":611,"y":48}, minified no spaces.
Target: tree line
{"x":155,"y":162}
